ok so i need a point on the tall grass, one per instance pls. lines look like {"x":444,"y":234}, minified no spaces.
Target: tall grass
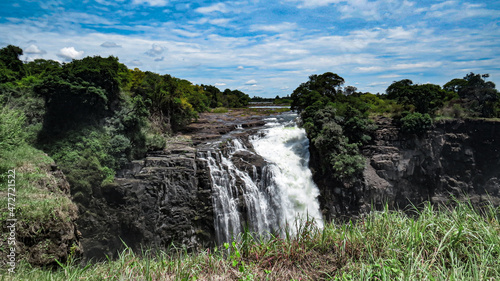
{"x":447,"y":243}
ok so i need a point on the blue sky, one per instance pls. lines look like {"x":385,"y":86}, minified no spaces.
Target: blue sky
{"x":267,"y":48}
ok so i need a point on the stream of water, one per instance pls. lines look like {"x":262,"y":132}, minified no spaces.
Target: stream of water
{"x":272,"y":200}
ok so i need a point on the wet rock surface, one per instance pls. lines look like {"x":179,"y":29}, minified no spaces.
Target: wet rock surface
{"x":211,"y":126}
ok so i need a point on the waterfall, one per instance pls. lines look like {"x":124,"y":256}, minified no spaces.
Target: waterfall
{"x":266,"y":201}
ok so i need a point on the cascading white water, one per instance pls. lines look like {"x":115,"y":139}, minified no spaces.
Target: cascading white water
{"x":286,"y":148}
{"x":283,"y":193}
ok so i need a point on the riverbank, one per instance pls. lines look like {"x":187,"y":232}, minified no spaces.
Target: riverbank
{"x":220,"y":121}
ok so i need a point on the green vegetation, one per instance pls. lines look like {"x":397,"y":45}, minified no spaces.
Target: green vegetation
{"x":94,"y":115}
{"x":338,"y":119}
{"x":458,"y":243}
{"x":336,"y":122}
{"x":41,"y":203}
{"x":415,"y":123}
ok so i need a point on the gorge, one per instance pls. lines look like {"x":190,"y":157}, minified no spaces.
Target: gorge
{"x":204,"y":191}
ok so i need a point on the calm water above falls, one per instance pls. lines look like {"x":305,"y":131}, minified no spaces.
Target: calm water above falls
{"x":281,"y":194}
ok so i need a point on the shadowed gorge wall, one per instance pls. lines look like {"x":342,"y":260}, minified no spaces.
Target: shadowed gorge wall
{"x":162,"y":199}
{"x":456,"y":157}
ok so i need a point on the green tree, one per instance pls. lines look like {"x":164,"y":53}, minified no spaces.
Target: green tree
{"x":40,"y":68}
{"x":480,"y":95}
{"x":11,"y":67}
{"x":322,"y":88}
{"x":455,"y":85}
{"x":425,"y":98}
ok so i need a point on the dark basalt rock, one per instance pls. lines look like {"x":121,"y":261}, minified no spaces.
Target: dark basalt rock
{"x":456,"y":158}
{"x":163,"y":199}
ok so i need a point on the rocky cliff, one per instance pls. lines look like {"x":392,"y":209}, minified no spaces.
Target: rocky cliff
{"x":454,"y":159}
{"x":163,"y":199}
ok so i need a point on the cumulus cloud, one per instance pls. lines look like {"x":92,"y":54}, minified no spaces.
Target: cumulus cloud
{"x":109,"y":44}
{"x":160,"y":59}
{"x":70,"y":53}
{"x":33,"y":49}
{"x":155,"y":50}
{"x":220,"y":84}
{"x":252,"y":82}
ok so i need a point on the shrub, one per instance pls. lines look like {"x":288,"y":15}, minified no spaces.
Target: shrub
{"x":416,"y":123}
{"x":155,"y":142}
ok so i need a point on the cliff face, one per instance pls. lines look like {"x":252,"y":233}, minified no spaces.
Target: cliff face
{"x":162,"y":199}
{"x":455,"y":158}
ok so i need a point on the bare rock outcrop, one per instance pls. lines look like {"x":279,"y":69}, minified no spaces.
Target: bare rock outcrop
{"x":163,"y":199}
{"x":456,"y":159}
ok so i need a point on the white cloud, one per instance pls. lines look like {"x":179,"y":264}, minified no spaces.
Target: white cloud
{"x":219,"y":7}
{"x":155,"y":50}
{"x":154,"y":3}
{"x":186,"y":33}
{"x":33,"y":49}
{"x":389,"y":76}
{"x":109,"y":44}
{"x":374,"y":84}
{"x":401,"y":33}
{"x":442,"y":5}
{"x":221,"y":22}
{"x":452,"y":11}
{"x":220,"y":84}
{"x":400,"y":66}
{"x":84,"y":18}
{"x":315,"y":3}
{"x":274,"y":27}
{"x":365,"y":9}
{"x":251,"y":82}
{"x":69,"y":53}
{"x":136,"y":63}
{"x":106,"y":3}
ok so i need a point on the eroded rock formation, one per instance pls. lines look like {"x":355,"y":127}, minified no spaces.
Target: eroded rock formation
{"x":454,"y":159}
{"x":162,"y":199}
